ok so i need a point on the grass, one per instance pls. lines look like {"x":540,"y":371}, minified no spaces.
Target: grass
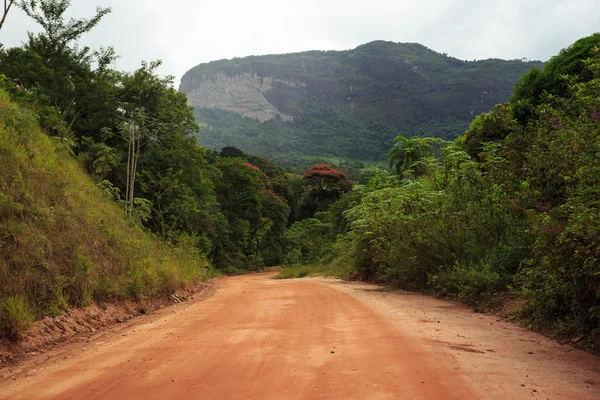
{"x":16,"y":316}
{"x":63,"y":242}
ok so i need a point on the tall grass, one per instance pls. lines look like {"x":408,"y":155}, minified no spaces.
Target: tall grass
{"x":63,"y":242}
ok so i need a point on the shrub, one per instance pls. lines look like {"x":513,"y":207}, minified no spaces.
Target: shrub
{"x":15,"y":316}
{"x":470,"y":283}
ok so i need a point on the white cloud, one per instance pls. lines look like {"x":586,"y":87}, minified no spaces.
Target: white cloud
{"x":184,"y":33}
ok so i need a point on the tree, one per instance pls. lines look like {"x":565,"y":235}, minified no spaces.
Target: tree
{"x":7,"y":5}
{"x":237,"y":189}
{"x":87,"y":96}
{"x":310,"y":240}
{"x":59,"y":35}
{"x":493,"y":126}
{"x":135,"y":128}
{"x":50,"y":15}
{"x":323,"y":185}
{"x":406,"y":152}
{"x":529,"y":91}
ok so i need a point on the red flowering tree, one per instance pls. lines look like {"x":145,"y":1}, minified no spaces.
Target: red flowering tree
{"x":254,"y":167}
{"x":324,"y":185}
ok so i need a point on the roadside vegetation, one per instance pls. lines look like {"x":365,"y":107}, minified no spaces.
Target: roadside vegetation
{"x":105,"y":193}
{"x":510,"y":206}
{"x":63,"y":241}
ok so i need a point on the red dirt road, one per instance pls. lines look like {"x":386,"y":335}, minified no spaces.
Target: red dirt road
{"x":260,"y":338}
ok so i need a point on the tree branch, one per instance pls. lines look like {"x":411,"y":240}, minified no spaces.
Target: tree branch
{"x":7,"y":5}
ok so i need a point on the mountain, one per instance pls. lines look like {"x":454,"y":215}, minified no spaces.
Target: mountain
{"x":343,"y":104}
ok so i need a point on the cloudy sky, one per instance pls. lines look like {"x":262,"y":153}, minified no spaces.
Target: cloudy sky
{"x":184,"y":33}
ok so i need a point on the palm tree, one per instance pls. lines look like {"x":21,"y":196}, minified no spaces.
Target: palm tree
{"x":403,"y":154}
{"x":406,"y":152}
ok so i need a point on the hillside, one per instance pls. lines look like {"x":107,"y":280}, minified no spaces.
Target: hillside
{"x":347,"y":104}
{"x":63,"y":242}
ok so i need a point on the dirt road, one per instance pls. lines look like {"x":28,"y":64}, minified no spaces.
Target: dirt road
{"x":260,"y":338}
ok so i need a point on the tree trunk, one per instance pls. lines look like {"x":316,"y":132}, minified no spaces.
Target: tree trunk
{"x":132,"y":155}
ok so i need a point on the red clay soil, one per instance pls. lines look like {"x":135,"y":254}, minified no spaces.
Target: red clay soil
{"x":83,"y":324}
{"x":260,"y":338}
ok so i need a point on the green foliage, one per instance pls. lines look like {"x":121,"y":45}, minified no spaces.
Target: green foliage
{"x":559,"y":176}
{"x":171,"y":190}
{"x":510,"y":206}
{"x":61,"y":65}
{"x":407,"y":155}
{"x":255,"y":216}
{"x":63,"y":243}
{"x":323,"y":186}
{"x":310,"y":240}
{"x":531,"y":89}
{"x":49,"y":14}
{"x":489,"y":127}
{"x":15,"y":316}
{"x":468,"y":283}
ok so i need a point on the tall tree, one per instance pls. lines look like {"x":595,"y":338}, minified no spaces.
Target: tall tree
{"x":323,"y":185}
{"x":50,"y":15}
{"x":134,"y":128}
{"x":57,"y":39}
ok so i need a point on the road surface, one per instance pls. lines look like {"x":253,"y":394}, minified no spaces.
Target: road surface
{"x":261,"y":338}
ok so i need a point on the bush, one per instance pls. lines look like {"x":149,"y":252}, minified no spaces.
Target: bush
{"x":15,"y":316}
{"x":471,"y":283}
{"x":310,"y":240}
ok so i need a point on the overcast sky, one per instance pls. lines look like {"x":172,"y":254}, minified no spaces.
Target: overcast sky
{"x":184,"y":33}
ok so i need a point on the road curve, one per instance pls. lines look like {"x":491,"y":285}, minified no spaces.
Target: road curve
{"x":259,"y":338}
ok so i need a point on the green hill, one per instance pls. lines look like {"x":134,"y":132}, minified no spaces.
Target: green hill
{"x":343,"y":104}
{"x":63,"y":243}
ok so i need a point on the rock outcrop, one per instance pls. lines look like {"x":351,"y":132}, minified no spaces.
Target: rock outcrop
{"x":241,"y":93}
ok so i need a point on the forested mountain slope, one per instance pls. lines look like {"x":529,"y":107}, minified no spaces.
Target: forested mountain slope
{"x":348,"y":104}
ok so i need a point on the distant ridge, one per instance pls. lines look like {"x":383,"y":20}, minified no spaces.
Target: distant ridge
{"x":367,"y":95}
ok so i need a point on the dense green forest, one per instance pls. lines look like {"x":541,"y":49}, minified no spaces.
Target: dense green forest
{"x":105,"y":193}
{"x":344,"y":104}
{"x":510,"y":207}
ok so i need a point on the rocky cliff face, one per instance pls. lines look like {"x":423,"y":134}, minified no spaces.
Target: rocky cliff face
{"x":395,"y":83}
{"x":242,"y":93}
